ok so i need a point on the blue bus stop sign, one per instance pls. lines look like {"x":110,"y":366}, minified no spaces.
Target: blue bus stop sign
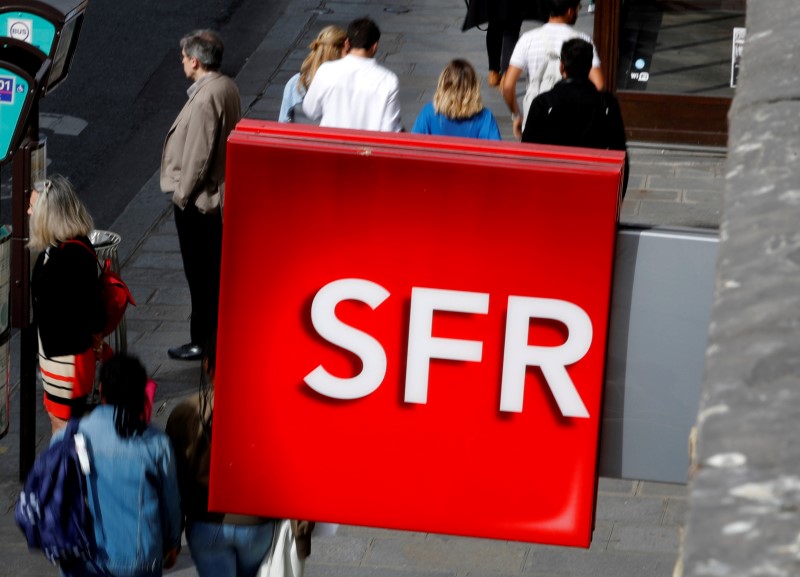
{"x":28,"y":27}
{"x":51,"y":27}
{"x":15,"y":101}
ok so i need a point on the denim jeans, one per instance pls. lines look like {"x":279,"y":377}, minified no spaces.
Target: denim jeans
{"x":228,"y":550}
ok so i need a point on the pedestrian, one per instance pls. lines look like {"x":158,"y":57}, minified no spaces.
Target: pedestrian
{"x":132,"y":481}
{"x":220,"y":544}
{"x":457,"y":108}
{"x":68,"y":307}
{"x":504,"y":20}
{"x":537,"y":53}
{"x":356,"y":91}
{"x":574,"y":112}
{"x":328,"y":45}
{"x":193,"y":172}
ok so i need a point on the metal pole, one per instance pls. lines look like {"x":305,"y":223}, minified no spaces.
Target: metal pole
{"x":20,"y":293}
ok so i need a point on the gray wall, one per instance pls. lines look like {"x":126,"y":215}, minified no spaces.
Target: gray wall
{"x":660,"y":309}
{"x":744,"y":512}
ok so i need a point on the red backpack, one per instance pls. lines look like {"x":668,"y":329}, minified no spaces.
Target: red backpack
{"x":116,"y":294}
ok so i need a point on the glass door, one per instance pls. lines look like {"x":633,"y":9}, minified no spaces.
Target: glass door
{"x":673,"y":65}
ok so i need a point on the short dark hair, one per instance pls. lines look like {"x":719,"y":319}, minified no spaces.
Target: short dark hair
{"x":206,"y":46}
{"x":560,"y":7}
{"x":363,"y":33}
{"x":122,"y":384}
{"x":576,"y":56}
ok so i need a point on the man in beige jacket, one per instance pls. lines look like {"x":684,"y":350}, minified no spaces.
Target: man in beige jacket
{"x":193,"y":172}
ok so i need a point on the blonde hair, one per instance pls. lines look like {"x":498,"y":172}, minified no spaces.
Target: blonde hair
{"x":458,"y":94}
{"x":58,"y":214}
{"x":328,"y":46}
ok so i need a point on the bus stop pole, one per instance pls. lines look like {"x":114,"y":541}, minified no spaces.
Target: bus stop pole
{"x":22,"y":182}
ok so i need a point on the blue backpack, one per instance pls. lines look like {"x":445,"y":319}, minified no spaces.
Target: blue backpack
{"x":52,"y":508}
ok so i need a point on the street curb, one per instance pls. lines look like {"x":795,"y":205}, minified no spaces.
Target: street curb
{"x":144,"y":213}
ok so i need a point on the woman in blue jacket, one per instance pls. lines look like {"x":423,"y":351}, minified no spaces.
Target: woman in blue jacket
{"x":328,"y":45}
{"x":457,"y":108}
{"x":132,"y":484}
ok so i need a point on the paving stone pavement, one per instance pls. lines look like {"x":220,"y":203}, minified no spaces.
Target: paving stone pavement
{"x":638,"y":523}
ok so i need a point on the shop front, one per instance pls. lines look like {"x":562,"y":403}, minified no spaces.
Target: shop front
{"x":673,"y":65}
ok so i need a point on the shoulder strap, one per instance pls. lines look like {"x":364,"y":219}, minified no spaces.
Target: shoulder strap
{"x":90,"y":251}
{"x":71,"y":428}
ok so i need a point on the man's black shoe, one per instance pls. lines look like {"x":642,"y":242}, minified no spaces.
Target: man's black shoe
{"x":187,"y":352}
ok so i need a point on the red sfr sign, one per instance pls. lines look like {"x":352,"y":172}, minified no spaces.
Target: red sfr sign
{"x":412,"y":331}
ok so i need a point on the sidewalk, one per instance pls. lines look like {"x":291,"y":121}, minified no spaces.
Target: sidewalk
{"x":638,"y":523}
{"x":667,"y":186}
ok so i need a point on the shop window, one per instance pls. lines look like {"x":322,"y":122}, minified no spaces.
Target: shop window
{"x":681,"y":47}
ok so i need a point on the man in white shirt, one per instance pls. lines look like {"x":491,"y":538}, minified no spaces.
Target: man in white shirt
{"x":537,"y":52}
{"x":356,"y":91}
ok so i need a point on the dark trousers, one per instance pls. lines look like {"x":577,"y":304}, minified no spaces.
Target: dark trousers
{"x":200,"y":238}
{"x":501,"y":38}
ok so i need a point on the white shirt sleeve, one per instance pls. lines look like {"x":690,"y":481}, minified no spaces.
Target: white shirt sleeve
{"x":391,"y":121}
{"x":312,"y":103}
{"x":595,"y":57}
{"x":518,"y":59}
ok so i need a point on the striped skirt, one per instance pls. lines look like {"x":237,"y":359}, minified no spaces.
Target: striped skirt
{"x":67,"y":381}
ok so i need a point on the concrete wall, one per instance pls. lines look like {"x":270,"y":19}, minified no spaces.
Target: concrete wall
{"x":744,"y":512}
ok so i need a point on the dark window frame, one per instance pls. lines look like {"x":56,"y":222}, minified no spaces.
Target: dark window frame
{"x":657,"y":117}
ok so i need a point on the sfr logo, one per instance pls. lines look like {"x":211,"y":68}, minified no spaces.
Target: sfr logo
{"x":423,"y":346}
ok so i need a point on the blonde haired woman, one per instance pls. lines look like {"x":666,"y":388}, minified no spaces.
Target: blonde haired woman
{"x":457,"y":108}
{"x":66,"y":294}
{"x":330,"y":44}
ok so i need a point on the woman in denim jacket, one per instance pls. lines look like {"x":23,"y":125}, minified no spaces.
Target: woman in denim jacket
{"x":133,"y":483}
